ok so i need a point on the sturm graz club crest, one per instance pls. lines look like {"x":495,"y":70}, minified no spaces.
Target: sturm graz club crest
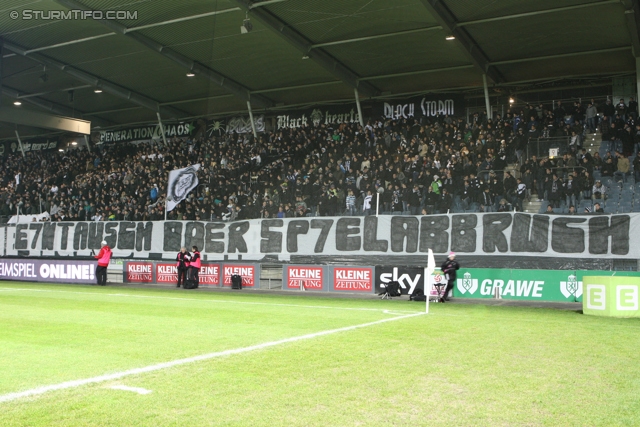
{"x":571,"y":288}
{"x":316,"y":117}
{"x":467,"y":284}
{"x":181,"y":182}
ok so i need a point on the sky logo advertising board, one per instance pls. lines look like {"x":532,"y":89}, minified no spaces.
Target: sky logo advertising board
{"x":247,"y":272}
{"x":353,"y":279}
{"x":307,"y":278}
{"x":139,"y":272}
{"x":409,"y":278}
{"x":612,"y":296}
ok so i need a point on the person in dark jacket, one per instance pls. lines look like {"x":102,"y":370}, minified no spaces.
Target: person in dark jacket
{"x":195,"y":263}
{"x":449,"y":268}
{"x":183,"y":259}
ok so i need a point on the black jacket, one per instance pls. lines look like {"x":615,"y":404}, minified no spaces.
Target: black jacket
{"x":450,"y":267}
{"x":183,"y":259}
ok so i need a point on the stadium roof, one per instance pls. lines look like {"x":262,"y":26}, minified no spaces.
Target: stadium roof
{"x":299,"y":51}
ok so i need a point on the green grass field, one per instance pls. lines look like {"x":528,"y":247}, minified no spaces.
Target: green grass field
{"x":461,"y":365}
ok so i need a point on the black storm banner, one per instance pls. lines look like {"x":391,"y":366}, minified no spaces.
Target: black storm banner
{"x":509,"y":234}
{"x":420,"y":106}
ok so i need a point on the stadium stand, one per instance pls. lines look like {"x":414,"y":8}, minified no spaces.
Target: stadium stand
{"x":439,"y":166}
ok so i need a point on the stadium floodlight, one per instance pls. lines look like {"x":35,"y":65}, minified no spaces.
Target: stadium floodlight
{"x":511,"y":100}
{"x":191,"y":75}
{"x":97,"y":91}
{"x":17,"y":103}
{"x":450,"y":37}
{"x":246,"y":26}
{"x":74,"y":143}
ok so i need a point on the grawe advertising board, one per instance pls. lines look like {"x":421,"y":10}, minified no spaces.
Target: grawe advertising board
{"x":52,"y":271}
{"x":303,"y":277}
{"x":246,"y":271}
{"x":536,"y":285}
{"x":352,"y":279}
{"x":611,"y":296}
{"x":138,"y":272}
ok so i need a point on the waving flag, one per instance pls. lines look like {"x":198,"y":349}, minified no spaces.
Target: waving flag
{"x":181,"y":182}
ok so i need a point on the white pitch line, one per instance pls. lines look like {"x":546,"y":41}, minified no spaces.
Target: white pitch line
{"x":138,"y":390}
{"x":211,"y":300}
{"x":118,"y":375}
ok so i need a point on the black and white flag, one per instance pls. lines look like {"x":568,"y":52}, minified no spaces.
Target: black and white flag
{"x":181,"y":182}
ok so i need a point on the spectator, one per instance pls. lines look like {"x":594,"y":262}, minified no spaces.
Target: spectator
{"x":521,"y":193}
{"x":623,"y":168}
{"x":351,"y":203}
{"x":592,"y":117}
{"x":366,"y":206}
{"x":599,"y":191}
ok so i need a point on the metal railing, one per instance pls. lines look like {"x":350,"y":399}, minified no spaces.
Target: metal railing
{"x":540,"y":147}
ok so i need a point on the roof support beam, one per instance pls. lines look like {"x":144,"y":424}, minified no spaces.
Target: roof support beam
{"x":304,"y":45}
{"x":413,"y":73}
{"x":96,"y":81}
{"x":45,"y":121}
{"x":447,"y":20}
{"x":538,"y":12}
{"x":30,"y":95}
{"x":52,"y":107}
{"x":561,"y":55}
{"x":379,"y":36}
{"x":632,"y":13}
{"x":180,"y":59}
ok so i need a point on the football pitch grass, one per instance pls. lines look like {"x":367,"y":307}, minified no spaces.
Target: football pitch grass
{"x":247,"y":359}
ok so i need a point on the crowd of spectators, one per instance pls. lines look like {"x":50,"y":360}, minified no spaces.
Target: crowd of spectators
{"x":409,"y":166}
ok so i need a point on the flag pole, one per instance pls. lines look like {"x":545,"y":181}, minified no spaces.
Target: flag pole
{"x":428,"y":278}
{"x":427,"y":288}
